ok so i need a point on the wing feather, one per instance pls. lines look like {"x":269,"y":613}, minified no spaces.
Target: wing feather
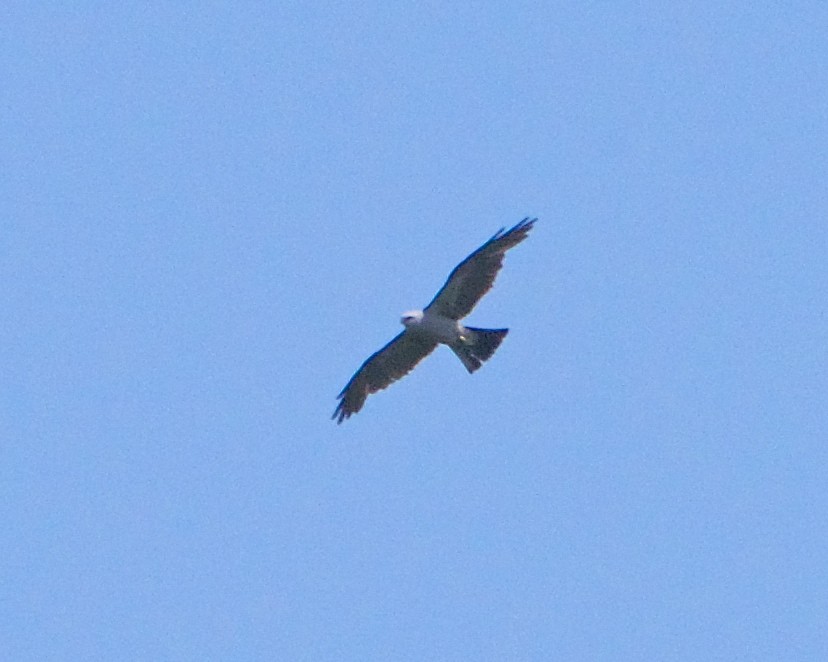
{"x":475,"y":275}
{"x":381,"y":369}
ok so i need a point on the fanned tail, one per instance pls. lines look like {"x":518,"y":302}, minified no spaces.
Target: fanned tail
{"x":478,"y":345}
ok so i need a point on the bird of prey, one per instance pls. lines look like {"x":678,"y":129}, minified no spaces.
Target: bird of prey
{"x":438,"y":322}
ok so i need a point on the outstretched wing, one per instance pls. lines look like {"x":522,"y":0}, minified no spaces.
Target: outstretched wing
{"x":475,"y":275}
{"x":381,"y":369}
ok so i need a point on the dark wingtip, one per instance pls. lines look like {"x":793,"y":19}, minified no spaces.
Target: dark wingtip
{"x":525,"y":225}
{"x":497,"y":235}
{"x":339,"y":414}
{"x":517,"y":232}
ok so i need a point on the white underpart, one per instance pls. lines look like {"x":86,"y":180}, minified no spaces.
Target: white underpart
{"x":442,"y":329}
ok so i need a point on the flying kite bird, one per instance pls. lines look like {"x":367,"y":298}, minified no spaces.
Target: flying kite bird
{"x":438,"y":322}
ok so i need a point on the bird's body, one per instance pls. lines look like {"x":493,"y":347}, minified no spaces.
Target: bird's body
{"x":442,"y":329}
{"x":472,"y":346}
{"x":438,"y":323}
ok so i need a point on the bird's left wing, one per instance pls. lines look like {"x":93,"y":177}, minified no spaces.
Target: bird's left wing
{"x":381,"y":369}
{"x":475,"y":275}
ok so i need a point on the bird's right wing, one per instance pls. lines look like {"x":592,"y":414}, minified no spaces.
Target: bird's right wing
{"x":475,"y":275}
{"x":381,"y":369}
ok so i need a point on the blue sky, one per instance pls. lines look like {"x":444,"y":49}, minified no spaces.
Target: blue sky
{"x":214,"y":212}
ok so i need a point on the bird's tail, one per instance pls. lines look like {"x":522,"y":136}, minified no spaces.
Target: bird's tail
{"x":478,"y":345}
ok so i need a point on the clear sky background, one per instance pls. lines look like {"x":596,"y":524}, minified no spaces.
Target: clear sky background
{"x":212,"y":213}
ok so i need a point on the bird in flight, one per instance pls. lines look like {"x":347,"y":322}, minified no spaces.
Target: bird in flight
{"x":438,"y":322}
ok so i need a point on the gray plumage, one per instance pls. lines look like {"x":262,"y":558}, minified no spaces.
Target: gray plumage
{"x":438,"y":322}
